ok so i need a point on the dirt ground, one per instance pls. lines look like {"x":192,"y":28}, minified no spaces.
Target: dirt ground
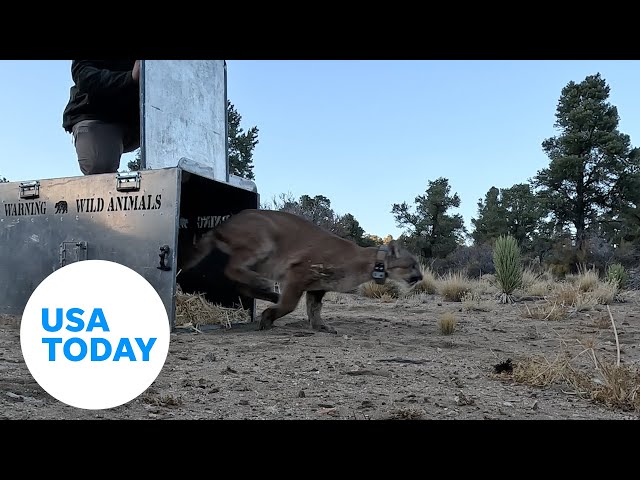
{"x":388,"y":361}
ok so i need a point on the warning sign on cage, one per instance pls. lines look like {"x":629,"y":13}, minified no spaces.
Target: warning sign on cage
{"x":120,"y":203}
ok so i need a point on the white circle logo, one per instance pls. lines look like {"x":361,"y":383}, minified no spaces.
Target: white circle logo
{"x":95,"y":334}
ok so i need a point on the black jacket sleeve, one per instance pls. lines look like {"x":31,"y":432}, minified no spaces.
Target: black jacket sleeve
{"x":100,"y":82}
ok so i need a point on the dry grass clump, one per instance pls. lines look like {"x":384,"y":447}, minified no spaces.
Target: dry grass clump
{"x":486,"y":284}
{"x":428,"y":284}
{"x":529,"y":278}
{"x":473,"y":301}
{"x":585,"y":280}
{"x":606,"y":292}
{"x":193,"y":309}
{"x":570,"y":296}
{"x":488,"y":277}
{"x":387,"y":298}
{"x":415,"y":299}
{"x":390,"y":289}
{"x":614,"y":385}
{"x":447,"y":323}
{"x":537,"y":284}
{"x":603,"y":381}
{"x":453,"y":286}
{"x":565,"y":293}
{"x":539,"y":288}
{"x":547,"y":311}
{"x":547,"y":276}
{"x":538,"y":371}
{"x":573,"y":293}
{"x":585,"y":302}
{"x":625,"y":296}
{"x":620,"y":388}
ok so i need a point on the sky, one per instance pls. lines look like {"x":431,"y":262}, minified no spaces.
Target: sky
{"x":365,"y":134}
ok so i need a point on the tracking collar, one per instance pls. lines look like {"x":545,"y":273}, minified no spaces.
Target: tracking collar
{"x":379,"y":274}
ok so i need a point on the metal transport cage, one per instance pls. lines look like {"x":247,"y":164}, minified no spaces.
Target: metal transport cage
{"x":144,"y":220}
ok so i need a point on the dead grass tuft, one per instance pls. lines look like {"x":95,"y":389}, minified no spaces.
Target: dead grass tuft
{"x":453,"y":286}
{"x":547,"y":276}
{"x":616,"y":386}
{"x":565,"y":293}
{"x":390,"y":289}
{"x":387,"y":298}
{"x":606,"y":292}
{"x":488,"y":277}
{"x":415,"y":299}
{"x":428,"y":284}
{"x":620,"y":389}
{"x":529,"y":277}
{"x":601,"y":380}
{"x":585,"y":280}
{"x":485,"y":285}
{"x":538,"y":371}
{"x":447,"y":323}
{"x":473,"y":301}
{"x":547,"y":311}
{"x":540,"y":288}
{"x":572,"y":294}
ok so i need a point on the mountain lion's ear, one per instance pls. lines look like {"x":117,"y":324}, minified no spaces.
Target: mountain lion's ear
{"x":394,"y":248}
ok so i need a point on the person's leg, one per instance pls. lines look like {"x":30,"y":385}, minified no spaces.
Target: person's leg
{"x":131,"y":141}
{"x":99,"y":146}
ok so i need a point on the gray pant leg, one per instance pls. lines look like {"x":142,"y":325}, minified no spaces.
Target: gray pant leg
{"x":99,"y":146}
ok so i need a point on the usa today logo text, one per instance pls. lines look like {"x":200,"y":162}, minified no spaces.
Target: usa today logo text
{"x":75,"y":324}
{"x":88,"y":340}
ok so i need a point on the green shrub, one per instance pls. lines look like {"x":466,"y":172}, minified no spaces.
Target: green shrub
{"x":616,"y":273}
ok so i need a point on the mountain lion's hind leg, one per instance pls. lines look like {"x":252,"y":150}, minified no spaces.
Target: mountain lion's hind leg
{"x":314,"y":310}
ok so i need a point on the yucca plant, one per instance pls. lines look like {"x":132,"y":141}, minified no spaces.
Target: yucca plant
{"x":616,"y":273}
{"x":506,"y":260}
